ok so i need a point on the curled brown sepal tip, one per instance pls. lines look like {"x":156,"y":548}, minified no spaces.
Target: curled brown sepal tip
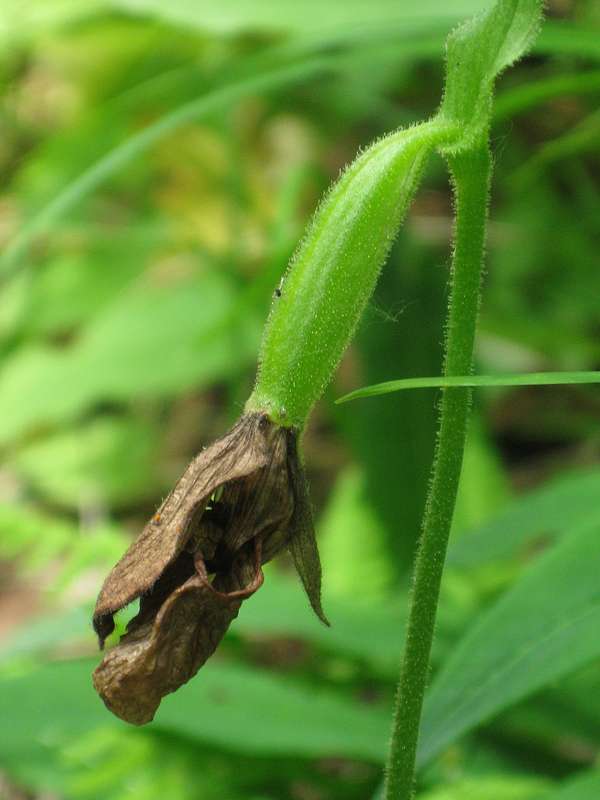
{"x":239,"y":503}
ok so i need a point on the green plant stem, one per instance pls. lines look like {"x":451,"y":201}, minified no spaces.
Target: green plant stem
{"x":471,"y":174}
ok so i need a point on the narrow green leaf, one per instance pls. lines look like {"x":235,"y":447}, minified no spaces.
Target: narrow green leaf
{"x":526,"y":95}
{"x":311,"y":16}
{"x":441,"y":382}
{"x":542,"y":629}
{"x":111,"y":163}
{"x":583,"y":138}
{"x":545,"y":513}
{"x":563,"y":37}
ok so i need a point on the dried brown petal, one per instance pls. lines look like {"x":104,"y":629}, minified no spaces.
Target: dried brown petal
{"x":238,"y":504}
{"x":245,"y":451}
{"x":156,"y":657}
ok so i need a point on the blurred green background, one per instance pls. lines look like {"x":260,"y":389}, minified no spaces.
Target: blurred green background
{"x":158,"y":164}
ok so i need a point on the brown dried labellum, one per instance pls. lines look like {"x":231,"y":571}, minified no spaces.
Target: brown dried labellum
{"x":239,"y":503}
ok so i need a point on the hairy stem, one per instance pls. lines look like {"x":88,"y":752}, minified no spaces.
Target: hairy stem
{"x":471,"y":174}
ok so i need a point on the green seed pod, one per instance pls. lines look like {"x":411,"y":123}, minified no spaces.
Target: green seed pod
{"x":333,"y":273}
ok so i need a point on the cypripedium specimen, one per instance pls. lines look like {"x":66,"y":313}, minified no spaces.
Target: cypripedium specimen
{"x":244,"y":499}
{"x":239,"y":503}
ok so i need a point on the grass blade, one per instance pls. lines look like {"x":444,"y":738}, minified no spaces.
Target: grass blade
{"x":474,"y":381}
{"x":542,"y":629}
{"x":116,"y":159}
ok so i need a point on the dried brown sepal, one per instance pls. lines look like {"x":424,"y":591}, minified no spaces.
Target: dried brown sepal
{"x":156,"y":657}
{"x":239,"y":503}
{"x":302,"y":539}
{"x":248,"y":451}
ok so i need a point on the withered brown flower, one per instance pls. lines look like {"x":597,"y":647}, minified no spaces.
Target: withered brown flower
{"x":239,"y":503}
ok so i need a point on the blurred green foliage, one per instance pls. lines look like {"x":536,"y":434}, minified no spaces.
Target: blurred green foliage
{"x":159,"y":162}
